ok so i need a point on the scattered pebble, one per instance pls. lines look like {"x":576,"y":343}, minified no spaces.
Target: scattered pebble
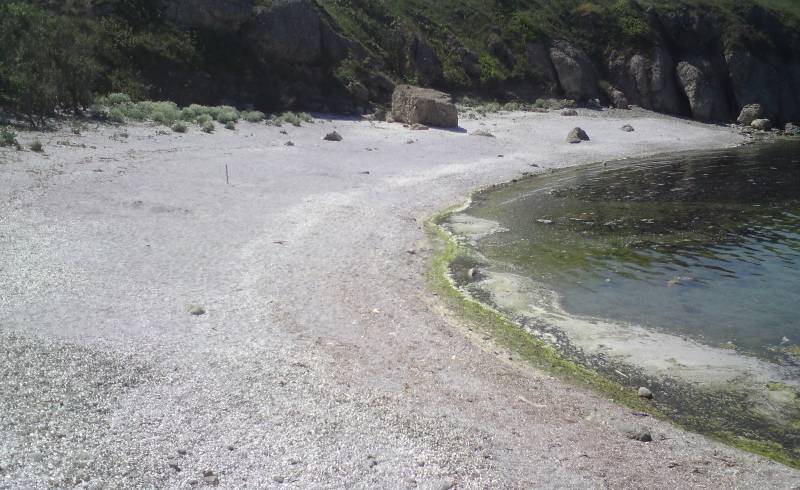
{"x":627,"y":128}
{"x":645,"y":393}
{"x":289,"y":143}
{"x":569,"y":112}
{"x":278,"y":479}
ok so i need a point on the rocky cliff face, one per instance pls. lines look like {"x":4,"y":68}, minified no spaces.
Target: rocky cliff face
{"x":296,"y":53}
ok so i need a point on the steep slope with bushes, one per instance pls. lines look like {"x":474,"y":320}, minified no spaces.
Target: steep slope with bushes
{"x":699,"y":58}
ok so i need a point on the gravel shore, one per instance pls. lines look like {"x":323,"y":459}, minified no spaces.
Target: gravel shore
{"x":322,"y":359}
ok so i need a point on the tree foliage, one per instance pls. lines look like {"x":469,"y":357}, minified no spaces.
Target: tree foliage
{"x":46,"y":62}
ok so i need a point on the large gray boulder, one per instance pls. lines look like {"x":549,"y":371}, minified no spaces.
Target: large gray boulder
{"x":750,"y":113}
{"x":415,"y":105}
{"x":575,"y":71}
{"x":706,"y":95}
{"x":646,"y":78}
{"x":214,"y":15}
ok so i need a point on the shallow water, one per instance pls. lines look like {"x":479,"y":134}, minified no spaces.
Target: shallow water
{"x":704,"y":245}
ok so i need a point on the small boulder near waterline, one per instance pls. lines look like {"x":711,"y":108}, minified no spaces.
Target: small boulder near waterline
{"x":569,"y":112}
{"x":645,"y":393}
{"x":761,"y":124}
{"x":791,"y":129}
{"x":749,"y":114}
{"x":416,"y":105}
{"x":627,"y":128}
{"x":333,"y":136}
{"x":641,"y":434}
{"x":577,"y":135}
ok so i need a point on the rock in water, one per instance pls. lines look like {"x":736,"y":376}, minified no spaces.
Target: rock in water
{"x":645,"y":393}
{"x":761,"y":124}
{"x":627,"y":128}
{"x":577,"y":135}
{"x":334,"y":136}
{"x":749,"y":114}
{"x":415,"y":105}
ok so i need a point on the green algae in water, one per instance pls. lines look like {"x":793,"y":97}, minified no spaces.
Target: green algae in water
{"x":705,"y":245}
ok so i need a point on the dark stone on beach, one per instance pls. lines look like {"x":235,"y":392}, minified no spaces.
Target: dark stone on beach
{"x":627,"y":128}
{"x":569,"y":112}
{"x":641,"y":434}
{"x":334,"y":136}
{"x":577,"y":135}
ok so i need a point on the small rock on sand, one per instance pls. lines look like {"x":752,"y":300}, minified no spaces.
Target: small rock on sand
{"x":645,"y":393}
{"x":289,"y":143}
{"x":195,"y":310}
{"x":419,"y":127}
{"x":333,"y":136}
{"x":576,"y":136}
{"x":641,"y":434}
{"x":627,"y":128}
{"x":569,"y":112}
{"x":482,"y":132}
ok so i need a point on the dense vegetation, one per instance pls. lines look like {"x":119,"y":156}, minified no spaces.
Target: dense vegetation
{"x":58,"y":60}
{"x":59,"y":55}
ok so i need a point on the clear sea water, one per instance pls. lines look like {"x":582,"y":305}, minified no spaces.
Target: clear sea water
{"x":705,"y":245}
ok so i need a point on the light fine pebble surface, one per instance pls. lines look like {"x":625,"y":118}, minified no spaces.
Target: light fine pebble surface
{"x":323,"y":360}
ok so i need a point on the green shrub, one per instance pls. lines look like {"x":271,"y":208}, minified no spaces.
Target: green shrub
{"x":293,"y":118}
{"x":225,"y":114}
{"x":208,"y":126}
{"x":253,"y":116}
{"x":36,"y":146}
{"x":117,"y":115}
{"x":204,"y":119}
{"x":230,"y":125}
{"x":180,"y":127}
{"x":8,"y":137}
{"x":46,"y":61}
{"x":112,"y":100}
{"x":492,"y":71}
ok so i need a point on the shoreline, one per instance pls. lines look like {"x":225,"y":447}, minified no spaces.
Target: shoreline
{"x":553,"y":332}
{"x":322,"y":359}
